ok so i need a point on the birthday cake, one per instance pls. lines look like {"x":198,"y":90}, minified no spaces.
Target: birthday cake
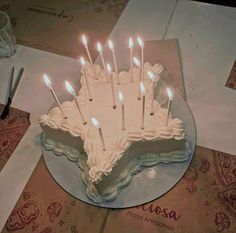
{"x":109,"y":139}
{"x":117,"y":143}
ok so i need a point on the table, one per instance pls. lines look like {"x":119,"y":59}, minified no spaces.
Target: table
{"x":207,"y":48}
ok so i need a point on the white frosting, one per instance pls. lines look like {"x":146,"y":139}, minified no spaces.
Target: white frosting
{"x":158,"y":68}
{"x":58,"y":148}
{"x":117,"y":141}
{"x":133,"y":167}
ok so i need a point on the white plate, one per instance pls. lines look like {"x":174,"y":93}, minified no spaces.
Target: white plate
{"x":149,"y":184}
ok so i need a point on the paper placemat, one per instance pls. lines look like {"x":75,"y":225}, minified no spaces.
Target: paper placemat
{"x":231,"y":82}
{"x":55,"y":26}
{"x":203,"y":201}
{"x":12,"y":129}
{"x":51,"y":209}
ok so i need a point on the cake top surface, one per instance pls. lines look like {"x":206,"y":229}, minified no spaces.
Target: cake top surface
{"x":117,"y":141}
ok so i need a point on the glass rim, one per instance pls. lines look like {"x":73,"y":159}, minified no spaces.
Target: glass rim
{"x":8,"y":20}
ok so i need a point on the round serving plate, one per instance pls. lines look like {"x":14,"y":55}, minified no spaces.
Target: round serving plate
{"x":147,"y":185}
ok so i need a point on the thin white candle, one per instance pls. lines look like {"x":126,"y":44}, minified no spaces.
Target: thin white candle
{"x":85,"y":43}
{"x":153,"y":79}
{"x":82,"y":62}
{"x":71,"y":90}
{"x":141,"y":44}
{"x":111,"y":46}
{"x":121,"y":98}
{"x":170,"y":96}
{"x":137,"y":63}
{"x":98,"y":126}
{"x":100,"y":50}
{"x":112,"y":85}
{"x":49,"y":85}
{"x":142,"y":89}
{"x":131,"y":48}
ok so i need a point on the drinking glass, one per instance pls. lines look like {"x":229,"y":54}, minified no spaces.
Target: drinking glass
{"x":7,"y":37}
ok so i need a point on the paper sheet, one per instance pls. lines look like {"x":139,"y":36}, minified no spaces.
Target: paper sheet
{"x":167,"y":53}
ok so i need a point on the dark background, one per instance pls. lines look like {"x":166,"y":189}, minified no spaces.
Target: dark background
{"x":220,"y":2}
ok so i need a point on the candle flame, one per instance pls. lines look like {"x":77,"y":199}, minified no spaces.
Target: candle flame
{"x":169,"y":93}
{"x":136,"y":62}
{"x":140,"y":42}
{"x":131,"y":43}
{"x":82,"y":61}
{"x":95,"y":122}
{"x":142,"y":88}
{"x":109,"y":68}
{"x":121,"y":97}
{"x":69,"y":88}
{"x":151,"y":76}
{"x":84,"y":40}
{"x":99,"y":47}
{"x":110,"y":44}
{"x":47,"y":81}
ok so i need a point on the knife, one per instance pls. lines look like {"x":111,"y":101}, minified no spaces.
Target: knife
{"x":11,"y":80}
{"x":5,"y":111}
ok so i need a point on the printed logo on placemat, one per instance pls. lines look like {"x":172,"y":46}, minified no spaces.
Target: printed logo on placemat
{"x":50,"y":12}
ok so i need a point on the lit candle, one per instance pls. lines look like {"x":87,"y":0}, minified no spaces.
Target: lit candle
{"x":85,"y":43}
{"x":98,"y":126}
{"x":71,"y":90}
{"x":121,"y":98}
{"x":49,"y":85}
{"x":112,"y":85}
{"x":170,"y":95}
{"x":141,"y":44}
{"x":99,"y":48}
{"x":137,"y":63}
{"x":131,"y":48}
{"x":142,"y":89}
{"x":154,"y":79}
{"x":111,"y":46}
{"x":82,"y":62}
